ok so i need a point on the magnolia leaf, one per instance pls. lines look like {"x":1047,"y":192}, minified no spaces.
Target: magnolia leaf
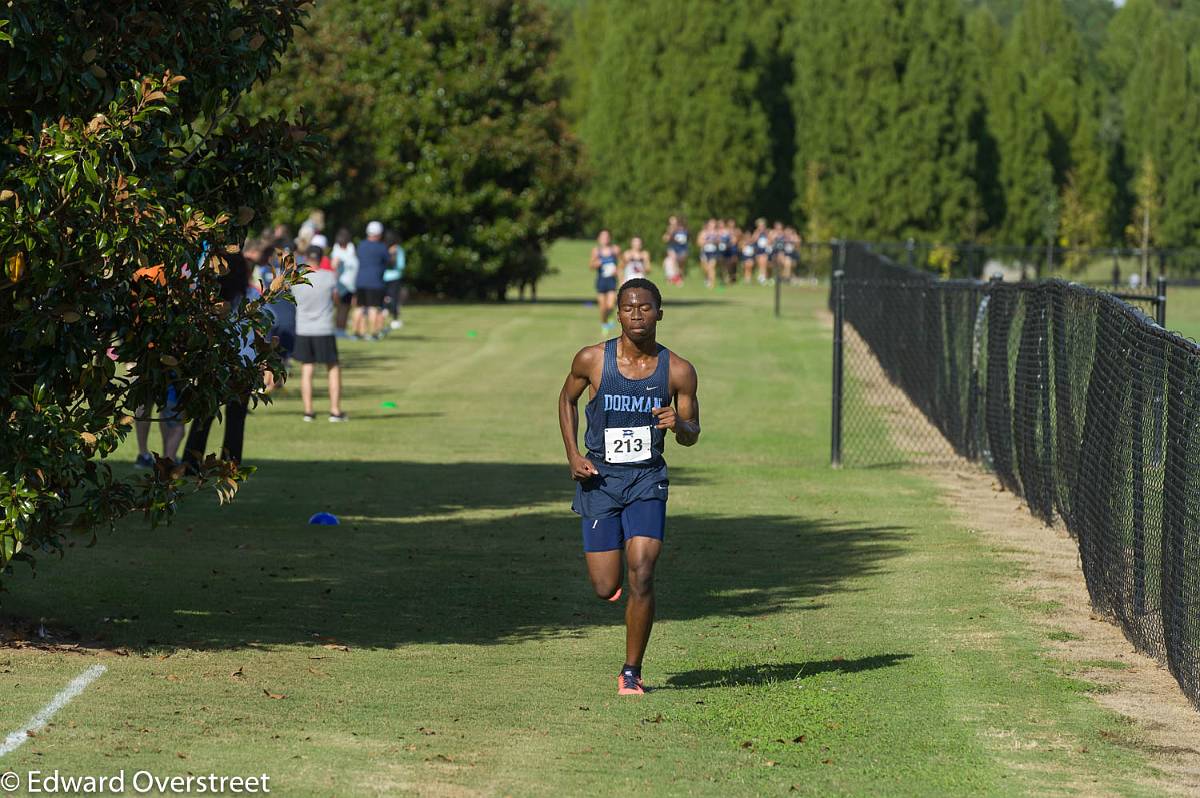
{"x":98,"y":71}
{"x":154,"y":274}
{"x":236,"y":34}
{"x":6,"y":195}
{"x":256,"y":41}
{"x":169,"y":361}
{"x":89,"y":55}
{"x":15,"y":266}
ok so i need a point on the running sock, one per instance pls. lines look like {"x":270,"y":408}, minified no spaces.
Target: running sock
{"x":632,"y":670}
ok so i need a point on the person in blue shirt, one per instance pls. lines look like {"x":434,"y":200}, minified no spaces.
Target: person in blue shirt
{"x":373,"y":262}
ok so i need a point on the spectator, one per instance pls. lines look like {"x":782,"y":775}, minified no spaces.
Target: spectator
{"x":315,"y":341}
{"x":373,"y":261}
{"x":282,"y":311}
{"x":345,"y":264}
{"x":233,"y":291}
{"x":393,"y":294}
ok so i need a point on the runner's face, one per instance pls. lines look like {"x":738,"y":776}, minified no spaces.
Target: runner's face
{"x":638,"y":314}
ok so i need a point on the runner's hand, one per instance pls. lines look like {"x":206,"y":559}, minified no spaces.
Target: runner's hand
{"x":582,"y":468}
{"x":665,"y":416}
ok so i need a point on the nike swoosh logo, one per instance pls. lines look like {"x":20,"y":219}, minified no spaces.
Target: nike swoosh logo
{"x":651,"y":388}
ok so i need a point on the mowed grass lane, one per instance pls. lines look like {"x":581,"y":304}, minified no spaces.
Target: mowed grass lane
{"x":836,"y":632}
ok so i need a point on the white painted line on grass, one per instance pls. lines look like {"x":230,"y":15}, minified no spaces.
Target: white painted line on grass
{"x":14,"y":741}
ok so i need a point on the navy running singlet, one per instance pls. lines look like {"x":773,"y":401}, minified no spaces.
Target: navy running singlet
{"x":621,"y":429}
{"x":608,"y":264}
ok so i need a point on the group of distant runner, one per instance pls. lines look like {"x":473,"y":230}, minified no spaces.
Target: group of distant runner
{"x":760,"y":252}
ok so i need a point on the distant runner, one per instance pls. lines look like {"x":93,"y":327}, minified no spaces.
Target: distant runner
{"x":676,"y":239}
{"x":636,"y":260}
{"x":604,"y":262}
{"x":621,"y":495}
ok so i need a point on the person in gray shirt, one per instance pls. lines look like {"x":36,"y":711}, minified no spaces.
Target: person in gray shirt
{"x":315,"y":341}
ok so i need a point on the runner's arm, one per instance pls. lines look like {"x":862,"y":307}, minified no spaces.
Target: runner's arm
{"x":568,"y":412}
{"x":594,"y":263}
{"x":684,"y":418}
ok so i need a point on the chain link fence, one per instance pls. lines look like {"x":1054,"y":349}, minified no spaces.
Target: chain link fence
{"x":1077,"y":400}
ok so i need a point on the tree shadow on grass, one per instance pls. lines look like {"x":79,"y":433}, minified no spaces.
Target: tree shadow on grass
{"x":750,"y":675}
{"x":473,"y":553}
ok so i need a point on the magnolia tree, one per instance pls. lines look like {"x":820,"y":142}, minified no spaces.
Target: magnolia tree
{"x":126,"y":176}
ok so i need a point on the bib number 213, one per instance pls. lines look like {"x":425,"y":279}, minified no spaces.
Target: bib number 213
{"x":627,"y":444}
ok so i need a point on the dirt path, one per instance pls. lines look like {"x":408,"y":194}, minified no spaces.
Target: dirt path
{"x":1164,"y":725}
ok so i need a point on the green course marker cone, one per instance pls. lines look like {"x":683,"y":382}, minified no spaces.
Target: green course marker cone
{"x":389,"y":405}
{"x":472,"y":334}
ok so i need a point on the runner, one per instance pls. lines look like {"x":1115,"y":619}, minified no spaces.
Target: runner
{"x":762,"y":249}
{"x":676,"y":239}
{"x":710,"y":247}
{"x":748,"y":252}
{"x":636,"y":260}
{"x":726,"y":241}
{"x":621,"y":493}
{"x":779,"y":263}
{"x":604,"y":263}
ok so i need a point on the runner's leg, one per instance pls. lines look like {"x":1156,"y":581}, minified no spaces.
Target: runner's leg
{"x":604,"y":569}
{"x":641,"y":554}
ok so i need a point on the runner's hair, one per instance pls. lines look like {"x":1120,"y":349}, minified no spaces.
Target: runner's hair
{"x":642,"y":282}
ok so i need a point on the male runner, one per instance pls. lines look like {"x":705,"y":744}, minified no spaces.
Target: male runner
{"x":621,"y":493}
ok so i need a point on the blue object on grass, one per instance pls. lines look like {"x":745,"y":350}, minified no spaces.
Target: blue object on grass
{"x":324,"y":519}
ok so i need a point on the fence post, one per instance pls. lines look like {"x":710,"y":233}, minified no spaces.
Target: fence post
{"x":1116,"y":269}
{"x":911,"y":246}
{"x":839,"y":312}
{"x":1160,"y":305}
{"x":778,"y":287}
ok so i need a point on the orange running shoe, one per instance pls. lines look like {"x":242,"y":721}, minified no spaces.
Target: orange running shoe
{"x":614,"y":596}
{"x":628,"y":684}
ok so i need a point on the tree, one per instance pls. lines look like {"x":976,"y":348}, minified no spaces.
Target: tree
{"x":892,"y":136}
{"x":1046,"y":116}
{"x":127,"y":172}
{"x":674,"y":123}
{"x":1153,"y":66}
{"x":1143,"y":228}
{"x":446,"y":126}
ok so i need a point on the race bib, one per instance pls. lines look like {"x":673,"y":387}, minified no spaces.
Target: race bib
{"x":626,"y":444}
{"x":608,"y":270}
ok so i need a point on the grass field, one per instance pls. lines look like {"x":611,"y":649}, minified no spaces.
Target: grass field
{"x":823,"y":632}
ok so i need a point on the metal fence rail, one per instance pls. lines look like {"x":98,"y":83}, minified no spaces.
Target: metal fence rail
{"x":1079,"y":402}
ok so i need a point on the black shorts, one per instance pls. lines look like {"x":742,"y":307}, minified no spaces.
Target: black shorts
{"x":316,"y":349}
{"x":287,"y":341}
{"x":369,"y":297}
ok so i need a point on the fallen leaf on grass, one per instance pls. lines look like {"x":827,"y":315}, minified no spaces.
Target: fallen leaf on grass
{"x":335,"y":647}
{"x":316,"y":672}
{"x":799,"y":739}
{"x":238,"y":673}
{"x":656,"y":719}
{"x":423,"y":730}
{"x":440,"y":758}
{"x":771,"y":763}
{"x":275,"y":696}
{"x":172,"y":677}
{"x":181,"y":754}
{"x":747,"y":744}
